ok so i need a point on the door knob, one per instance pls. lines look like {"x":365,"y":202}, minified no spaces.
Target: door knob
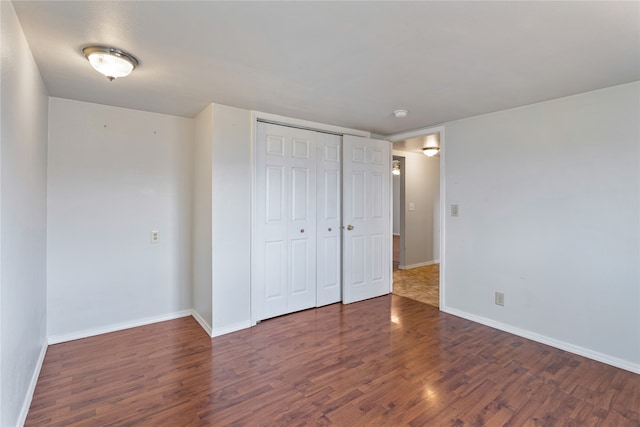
{"x":349,"y":227}
{"x":302,"y":230}
{"x":329,"y":229}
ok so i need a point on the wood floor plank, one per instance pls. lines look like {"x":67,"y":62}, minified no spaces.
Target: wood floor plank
{"x":389,"y":361}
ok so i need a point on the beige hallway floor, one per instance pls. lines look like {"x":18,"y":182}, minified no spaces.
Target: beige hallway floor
{"x":421,"y":284}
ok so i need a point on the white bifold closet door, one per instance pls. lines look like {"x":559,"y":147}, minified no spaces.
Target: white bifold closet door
{"x":297,"y":240}
{"x":308,"y":186}
{"x":329,"y":215}
{"x":284,"y":273}
{"x":366,"y":218}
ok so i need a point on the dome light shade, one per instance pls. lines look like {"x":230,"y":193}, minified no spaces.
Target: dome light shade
{"x":430,"y":151}
{"x":111,"y":62}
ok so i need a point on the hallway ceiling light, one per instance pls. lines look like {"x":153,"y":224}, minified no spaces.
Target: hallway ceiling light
{"x":400,"y":113}
{"x":111,"y":62}
{"x":430,"y":151}
{"x":396,"y":167}
{"x":432,"y":145}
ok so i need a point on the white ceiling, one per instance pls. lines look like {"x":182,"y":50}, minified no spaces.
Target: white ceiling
{"x":344,"y":63}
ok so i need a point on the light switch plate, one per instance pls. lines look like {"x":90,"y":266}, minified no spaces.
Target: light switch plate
{"x":412,"y":206}
{"x":455,"y":210}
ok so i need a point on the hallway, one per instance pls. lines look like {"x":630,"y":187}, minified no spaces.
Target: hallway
{"x":420,"y":284}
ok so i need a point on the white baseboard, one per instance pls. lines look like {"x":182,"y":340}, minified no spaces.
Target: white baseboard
{"x":202,"y":322}
{"x":421,"y":264}
{"x":231,"y":328}
{"x":571,"y":348}
{"x":55,"y":339}
{"x":32,"y":387}
{"x":220,"y":331}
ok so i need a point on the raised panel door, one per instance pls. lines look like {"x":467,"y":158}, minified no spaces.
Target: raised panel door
{"x":366,"y":218}
{"x":329,"y":252}
{"x":284,"y":263}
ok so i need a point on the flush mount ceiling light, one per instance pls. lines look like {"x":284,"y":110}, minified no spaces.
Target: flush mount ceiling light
{"x":432,"y":146}
{"x":430,"y":151}
{"x":111,"y":62}
{"x":400,"y":113}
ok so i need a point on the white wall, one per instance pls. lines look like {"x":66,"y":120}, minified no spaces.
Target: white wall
{"x":549,"y":215}
{"x":115,"y":175}
{"x":201,"y":219}
{"x":422,"y":188}
{"x":23,"y":157}
{"x":231,"y":176}
{"x":222,"y":219}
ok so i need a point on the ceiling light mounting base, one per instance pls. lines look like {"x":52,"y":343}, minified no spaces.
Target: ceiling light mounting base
{"x":399,"y":114}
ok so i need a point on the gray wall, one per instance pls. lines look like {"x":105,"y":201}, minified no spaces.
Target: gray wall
{"x":231,"y":226}
{"x":23,"y":204}
{"x":549,"y":207}
{"x":396,"y":204}
{"x":422,"y":225}
{"x":115,"y":175}
{"x":201,"y":238}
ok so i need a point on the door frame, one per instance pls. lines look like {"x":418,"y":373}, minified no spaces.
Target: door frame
{"x":443,"y":207}
{"x":257,"y":116}
{"x":401,"y":201}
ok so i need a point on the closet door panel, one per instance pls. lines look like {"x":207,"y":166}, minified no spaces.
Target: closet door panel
{"x":274,"y":274}
{"x":285,"y":221}
{"x":366,"y":217}
{"x":300,"y":203}
{"x":302,"y":225}
{"x":329,"y":257}
{"x":302,"y":272}
{"x":274,"y":197}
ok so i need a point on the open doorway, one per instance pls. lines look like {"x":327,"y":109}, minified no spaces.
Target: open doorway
{"x":416,"y":224}
{"x":398,"y":210}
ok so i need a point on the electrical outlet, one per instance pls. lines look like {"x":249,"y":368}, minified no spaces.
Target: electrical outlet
{"x":155,"y":236}
{"x":500,"y":298}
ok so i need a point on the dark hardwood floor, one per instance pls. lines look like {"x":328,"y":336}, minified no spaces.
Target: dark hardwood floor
{"x":389,"y":361}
